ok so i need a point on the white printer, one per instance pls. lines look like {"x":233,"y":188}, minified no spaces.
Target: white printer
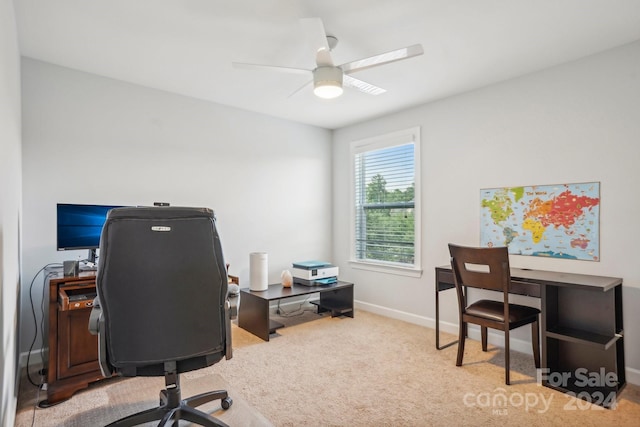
{"x":312,"y":273}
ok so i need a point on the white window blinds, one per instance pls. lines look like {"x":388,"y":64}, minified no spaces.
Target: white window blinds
{"x":385,"y":200}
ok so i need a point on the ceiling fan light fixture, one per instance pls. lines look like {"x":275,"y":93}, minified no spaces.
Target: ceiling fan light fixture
{"x":327,"y":90}
{"x":327,"y":82}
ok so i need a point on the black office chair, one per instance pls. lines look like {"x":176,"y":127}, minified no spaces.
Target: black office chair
{"x":162,"y":305}
{"x":488,"y":268}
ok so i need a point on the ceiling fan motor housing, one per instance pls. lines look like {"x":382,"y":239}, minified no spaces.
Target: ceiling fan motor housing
{"x":327,"y":76}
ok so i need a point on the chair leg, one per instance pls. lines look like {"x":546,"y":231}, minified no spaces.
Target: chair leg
{"x":173,"y":415}
{"x":201,"y":399}
{"x":193,"y":415}
{"x":461,"y":338}
{"x":535,"y":341}
{"x":173,"y":408}
{"x":506,"y":357}
{"x":153,"y":414}
{"x":483,"y":333}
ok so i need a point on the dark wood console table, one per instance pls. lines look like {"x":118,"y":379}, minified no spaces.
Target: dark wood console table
{"x":73,"y":351}
{"x":253,"y":314}
{"x":582,"y":334}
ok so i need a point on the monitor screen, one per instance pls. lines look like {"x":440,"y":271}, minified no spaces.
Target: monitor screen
{"x":79,"y":226}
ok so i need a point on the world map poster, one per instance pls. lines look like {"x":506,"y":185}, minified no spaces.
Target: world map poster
{"x":559,"y":221}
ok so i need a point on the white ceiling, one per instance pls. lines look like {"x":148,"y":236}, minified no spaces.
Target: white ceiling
{"x":187,"y":46}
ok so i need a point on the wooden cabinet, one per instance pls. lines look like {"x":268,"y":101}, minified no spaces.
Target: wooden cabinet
{"x":73,"y":351}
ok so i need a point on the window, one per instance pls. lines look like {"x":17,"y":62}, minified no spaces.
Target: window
{"x":386,"y":222}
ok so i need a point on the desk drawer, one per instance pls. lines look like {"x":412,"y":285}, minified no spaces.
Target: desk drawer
{"x":444,"y":280}
{"x":525,"y":288}
{"x":76,"y":299}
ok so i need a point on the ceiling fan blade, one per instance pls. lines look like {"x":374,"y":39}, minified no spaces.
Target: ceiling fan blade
{"x":362,"y":86}
{"x":317,"y":38}
{"x":383,"y":58}
{"x":242,"y":65}
{"x":300,"y":88}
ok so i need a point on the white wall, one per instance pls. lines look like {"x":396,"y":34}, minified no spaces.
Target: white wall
{"x":89,"y":139}
{"x":579,"y":122}
{"x":10,"y":198}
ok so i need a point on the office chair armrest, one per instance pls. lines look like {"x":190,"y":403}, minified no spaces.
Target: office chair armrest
{"x":227,"y":324}
{"x":96,"y":325}
{"x":94,"y":317}
{"x":233,"y":300}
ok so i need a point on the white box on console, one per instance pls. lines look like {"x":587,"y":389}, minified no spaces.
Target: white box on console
{"x":315,"y":273}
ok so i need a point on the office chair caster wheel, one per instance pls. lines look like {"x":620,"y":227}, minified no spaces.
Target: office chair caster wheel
{"x":226,"y":403}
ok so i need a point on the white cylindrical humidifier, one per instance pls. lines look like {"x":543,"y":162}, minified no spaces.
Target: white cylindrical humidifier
{"x":258,"y":271}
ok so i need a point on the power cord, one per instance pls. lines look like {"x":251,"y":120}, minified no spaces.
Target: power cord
{"x":35,"y":320}
{"x":296,"y":312}
{"x":35,"y":405}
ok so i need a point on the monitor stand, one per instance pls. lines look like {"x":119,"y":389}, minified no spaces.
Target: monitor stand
{"x":90,"y":262}
{"x":91,"y":258}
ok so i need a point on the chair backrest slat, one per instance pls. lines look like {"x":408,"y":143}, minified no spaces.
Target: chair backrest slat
{"x":485,"y":268}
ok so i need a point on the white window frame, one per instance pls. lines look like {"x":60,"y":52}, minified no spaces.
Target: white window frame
{"x":376,"y":143}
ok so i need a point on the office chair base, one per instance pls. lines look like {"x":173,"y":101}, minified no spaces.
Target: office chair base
{"x":172,"y":409}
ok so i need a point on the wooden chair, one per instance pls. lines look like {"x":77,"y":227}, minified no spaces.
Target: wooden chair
{"x":488,"y":268}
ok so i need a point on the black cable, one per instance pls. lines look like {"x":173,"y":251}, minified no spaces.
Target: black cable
{"x":35,"y":318}
{"x":43,"y":370}
{"x":35,"y":405}
{"x":296,"y":312}
{"x":43,"y":305}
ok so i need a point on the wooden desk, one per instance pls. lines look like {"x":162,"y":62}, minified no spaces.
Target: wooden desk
{"x":253,"y":314}
{"x":73,"y":351}
{"x":582,"y":334}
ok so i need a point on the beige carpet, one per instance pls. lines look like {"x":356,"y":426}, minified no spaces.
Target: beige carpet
{"x":110,"y":400}
{"x":365,"y":371}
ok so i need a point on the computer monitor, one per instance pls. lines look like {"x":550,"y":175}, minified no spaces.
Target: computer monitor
{"x":79,"y":227}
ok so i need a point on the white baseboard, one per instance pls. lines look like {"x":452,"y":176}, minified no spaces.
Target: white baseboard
{"x":397,"y":314}
{"x":36,"y":360}
{"x":632,"y":375}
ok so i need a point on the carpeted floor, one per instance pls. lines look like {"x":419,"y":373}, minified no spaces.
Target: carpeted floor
{"x":109,"y":400}
{"x":369,"y":370}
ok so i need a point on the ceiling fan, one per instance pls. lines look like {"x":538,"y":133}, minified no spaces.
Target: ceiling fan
{"x":329,"y":79}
